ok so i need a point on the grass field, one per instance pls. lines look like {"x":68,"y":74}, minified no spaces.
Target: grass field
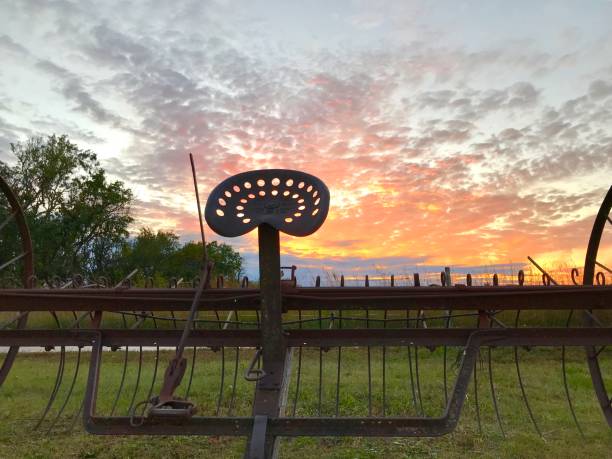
{"x":25,"y":394}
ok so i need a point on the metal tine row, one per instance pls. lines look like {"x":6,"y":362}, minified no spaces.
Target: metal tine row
{"x":76,"y":281}
{"x":415,"y":389}
{"x":484,"y":318}
{"x":234,"y":320}
{"x":139,"y":320}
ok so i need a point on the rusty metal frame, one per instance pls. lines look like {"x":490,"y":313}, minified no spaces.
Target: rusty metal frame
{"x":275,"y":341}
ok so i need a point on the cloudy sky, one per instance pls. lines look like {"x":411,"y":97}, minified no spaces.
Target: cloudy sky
{"x":462,"y":133}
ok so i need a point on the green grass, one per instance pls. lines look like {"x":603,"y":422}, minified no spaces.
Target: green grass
{"x":25,"y":393}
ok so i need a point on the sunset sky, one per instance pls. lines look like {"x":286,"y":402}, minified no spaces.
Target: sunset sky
{"x":449,"y":133}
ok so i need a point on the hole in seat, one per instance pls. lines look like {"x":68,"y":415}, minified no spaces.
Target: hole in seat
{"x":220,"y":213}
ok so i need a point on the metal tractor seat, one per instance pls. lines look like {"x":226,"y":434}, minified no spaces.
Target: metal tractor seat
{"x":293,"y":202}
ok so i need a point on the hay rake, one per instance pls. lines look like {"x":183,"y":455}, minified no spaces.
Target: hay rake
{"x":250,"y":343}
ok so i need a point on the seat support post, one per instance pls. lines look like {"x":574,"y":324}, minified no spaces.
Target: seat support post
{"x":271,"y":388}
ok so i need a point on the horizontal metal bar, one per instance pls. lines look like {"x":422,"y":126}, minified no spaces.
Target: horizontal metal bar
{"x":451,"y":298}
{"x":499,"y":298}
{"x":123,"y":337}
{"x":310,"y":338}
{"x":197,"y":425}
{"x":360,"y":427}
{"x":242,"y":426}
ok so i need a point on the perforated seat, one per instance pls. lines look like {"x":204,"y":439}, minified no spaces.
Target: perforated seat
{"x":293,"y":202}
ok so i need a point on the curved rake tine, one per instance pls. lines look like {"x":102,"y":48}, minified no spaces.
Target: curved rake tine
{"x":416,"y":366}
{"x":414,"y":397}
{"x":137,"y":385}
{"x":58,"y":377}
{"x":58,"y":382}
{"x":299,"y":370}
{"x":320,"y":394}
{"x":339,"y":361}
{"x":520,"y":380}
{"x":476,"y":399}
{"x":123,"y":372}
{"x":369,"y":368}
{"x":235,"y":379}
{"x":76,"y":324}
{"x":139,"y":321}
{"x":447,"y":325}
{"x":367,"y":314}
{"x":155,"y":367}
{"x":338,"y":366}
{"x":152,"y":386}
{"x":493,"y":394}
{"x":384,"y":371}
{"x":72,"y":384}
{"x":476,"y":384}
{"x":565,"y":382}
{"x":222,"y":382}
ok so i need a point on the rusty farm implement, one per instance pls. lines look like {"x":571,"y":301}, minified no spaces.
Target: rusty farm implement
{"x":259,"y":336}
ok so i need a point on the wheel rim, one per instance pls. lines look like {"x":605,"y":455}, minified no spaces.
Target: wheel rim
{"x":590,"y":264}
{"x":27,"y":262}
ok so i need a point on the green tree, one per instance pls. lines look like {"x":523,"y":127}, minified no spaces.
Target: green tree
{"x":227,"y":262}
{"x":78,"y":218}
{"x":151,"y":252}
{"x":160,"y":256}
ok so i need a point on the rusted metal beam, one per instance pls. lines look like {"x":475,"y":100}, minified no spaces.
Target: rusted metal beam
{"x":472,"y":298}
